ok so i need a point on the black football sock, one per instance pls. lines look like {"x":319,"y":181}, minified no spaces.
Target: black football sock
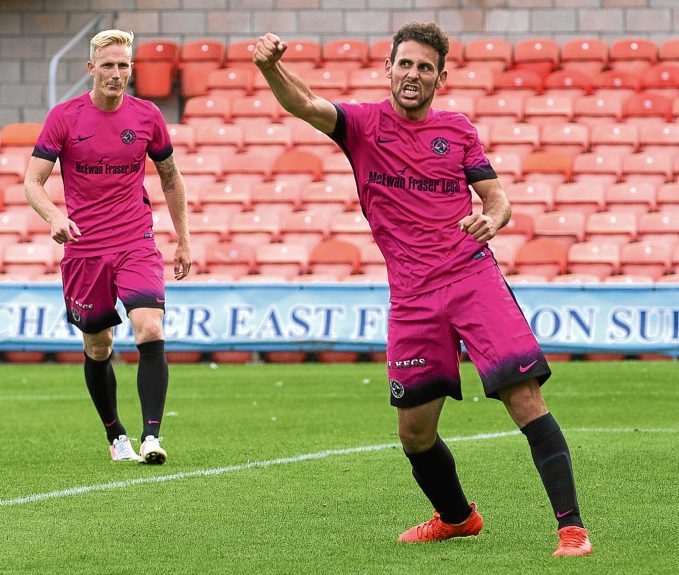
{"x":101,"y":383}
{"x":152,"y":377}
{"x":553,"y":462}
{"x":434,"y":471}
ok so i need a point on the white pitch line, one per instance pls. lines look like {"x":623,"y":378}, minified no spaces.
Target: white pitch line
{"x":280,"y":461}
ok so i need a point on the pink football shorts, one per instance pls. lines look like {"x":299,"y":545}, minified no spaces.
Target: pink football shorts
{"x":92,"y":285}
{"x":423,"y":344}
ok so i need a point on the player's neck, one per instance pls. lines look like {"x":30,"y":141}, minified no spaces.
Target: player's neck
{"x":417,"y":115}
{"x":105,"y":103}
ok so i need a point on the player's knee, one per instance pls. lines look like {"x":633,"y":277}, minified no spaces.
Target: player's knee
{"x":149,"y":330}
{"x":416,"y":440}
{"x":98,"y":351}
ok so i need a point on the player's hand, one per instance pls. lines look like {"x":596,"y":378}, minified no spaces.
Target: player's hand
{"x":182,"y":262}
{"x":481,"y":227}
{"x":63,"y":230}
{"x":268,"y":51}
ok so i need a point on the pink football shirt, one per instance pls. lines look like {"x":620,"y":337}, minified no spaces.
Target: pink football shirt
{"x":102,"y":156}
{"x":412,"y":179}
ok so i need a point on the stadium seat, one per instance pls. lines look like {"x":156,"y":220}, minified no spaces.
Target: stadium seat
{"x":615,"y":84}
{"x":628,"y":279}
{"x":568,"y":83}
{"x":350,"y":227}
{"x":254,"y":228}
{"x":307,"y":138}
{"x":182,"y":137}
{"x":539,"y":55}
{"x":662,"y":79}
{"x":518,"y":230}
{"x":31,"y":259}
{"x":239,"y":54}
{"x":379,"y":51}
{"x":209,"y":227}
{"x":595,"y":109}
{"x":301,"y":54}
{"x":13,"y":198}
{"x":583,"y":197}
{"x":19,"y":138}
{"x":659,"y":137}
{"x":207,"y":109}
{"x":281,"y":259}
{"x":634,"y":197}
{"x":647,"y":108}
{"x":328,"y":82}
{"x":455,"y":103}
{"x":12,"y":169}
{"x":585,"y":55}
{"x":646,"y":258}
{"x":619,"y":228}
{"x":277,"y":196}
{"x":307,"y":228}
{"x":544,"y":110}
{"x":566,"y":227}
{"x":675,"y":259}
{"x":253,"y":166}
{"x":667,"y":197}
{"x":568,"y":138}
{"x":216,"y":137}
{"x":335,"y":257}
{"x":233,"y":258}
{"x":598,"y":258}
{"x":233,"y":196}
{"x":614,"y":138}
{"x":592,"y":167}
{"x":267,"y":137}
{"x":336,"y":163}
{"x":531,"y":198}
{"x":660,"y":227}
{"x":197,"y":59}
{"x":669,"y":278}
{"x":258,"y":109}
{"x":499,"y":108}
{"x":520,"y":139}
{"x":492,"y":53}
{"x":507,"y":166}
{"x":369,"y":79}
{"x":523,"y":82}
{"x":207,"y":165}
{"x":155,"y":68}
{"x":574,"y":278}
{"x":372,"y":260}
{"x":653,"y":167}
{"x":543,"y":257}
{"x":163,"y":228}
{"x":301,"y":165}
{"x":668,"y":51}
{"x":198,"y":258}
{"x":527,"y":278}
{"x":13,"y":227}
{"x":632,"y":54}
{"x":470,"y":82}
{"x":231,"y":82}
{"x":504,"y":253}
{"x":329,"y":197}
{"x":550,"y":167}
{"x":346,"y":53}
{"x":455,"y":55}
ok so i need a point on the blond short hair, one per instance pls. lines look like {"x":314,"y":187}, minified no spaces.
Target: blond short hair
{"x":110,"y":38}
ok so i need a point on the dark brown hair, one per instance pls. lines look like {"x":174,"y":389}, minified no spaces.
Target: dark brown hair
{"x":429,"y":34}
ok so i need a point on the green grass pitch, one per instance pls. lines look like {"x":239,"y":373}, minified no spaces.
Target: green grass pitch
{"x":296,"y":469}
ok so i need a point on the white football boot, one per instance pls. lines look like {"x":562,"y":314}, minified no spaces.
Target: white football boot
{"x":122,"y":450}
{"x":151,"y":452}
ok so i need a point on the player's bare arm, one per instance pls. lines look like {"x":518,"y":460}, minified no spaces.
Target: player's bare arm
{"x":173,"y":187}
{"x":290,"y":90}
{"x":61,"y":228}
{"x":496,"y":211}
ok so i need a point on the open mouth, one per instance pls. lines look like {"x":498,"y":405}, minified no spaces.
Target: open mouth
{"x":410,"y":91}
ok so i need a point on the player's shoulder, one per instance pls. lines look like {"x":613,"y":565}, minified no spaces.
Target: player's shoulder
{"x":71,"y":107}
{"x":448,"y":116}
{"x":141,"y":105}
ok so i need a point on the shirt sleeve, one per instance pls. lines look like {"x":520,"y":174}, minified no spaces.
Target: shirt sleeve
{"x":476,"y":164}
{"x":160,"y":147}
{"x":51,"y":138}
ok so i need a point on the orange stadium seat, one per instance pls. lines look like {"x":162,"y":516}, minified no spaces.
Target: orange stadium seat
{"x":231,"y":82}
{"x":350,"y":227}
{"x":525,"y":82}
{"x":267,"y":136}
{"x":19,"y":138}
{"x":544,"y":257}
{"x":208,"y":165}
{"x":614,"y":138}
{"x":505,"y":254}
{"x":253,"y":166}
{"x":544,"y":110}
{"x":229,"y":197}
{"x":646,"y":108}
{"x":660,"y":227}
{"x":307,"y":138}
{"x":214,"y":137}
{"x":668,"y":51}
{"x":336,"y":163}
{"x":283,"y":259}
{"x":30,"y":259}
{"x":470,"y":81}
{"x":532,"y":198}
{"x":14,"y":198}
{"x":329,"y":197}
{"x":369,"y":79}
{"x":655,"y":167}
{"x":455,"y":55}
{"x":379,"y":51}
{"x":569,"y":83}
{"x":527,"y":278}
{"x":335,"y":257}
{"x":667,"y":197}
{"x":518,"y":138}
{"x":163,"y":228}
{"x":307,"y":228}
{"x":566,"y":227}
{"x":583,"y":197}
{"x":328,"y":82}
{"x":618,"y":228}
{"x":632,"y":54}
{"x":661,"y":79}
{"x":345,"y":52}
{"x":262,"y":108}
{"x":182,"y":137}
{"x":300,"y":165}
{"x":302,"y":54}
{"x":594,"y":167}
{"x":197,"y":59}
{"x":598,"y":258}
{"x":492,"y":53}
{"x":507,"y":166}
{"x":155,"y":68}
{"x":615,"y":84}
{"x":646,"y":258}
{"x":500,"y":108}
{"x":372,"y":260}
{"x":13,"y":227}
{"x":551,"y":167}
{"x":210,"y":109}
{"x":232,"y":258}
{"x":539,"y":55}
{"x":209,"y":227}
{"x":576,"y":279}
{"x":518,"y":230}
{"x":593,"y":110}
{"x":239,"y":54}
{"x":585,"y":55}
{"x":568,"y":138}
{"x":657,"y":137}
{"x":12,"y":169}
{"x":254,"y":228}
{"x":634,"y":197}
{"x":276,"y":196}
{"x":198,"y":265}
{"x":455,"y":103}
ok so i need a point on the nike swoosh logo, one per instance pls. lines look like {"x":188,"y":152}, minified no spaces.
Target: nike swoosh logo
{"x":560,"y":515}
{"x":83,"y":138}
{"x":382,"y":140}
{"x":523,"y":369}
{"x":158,"y":300}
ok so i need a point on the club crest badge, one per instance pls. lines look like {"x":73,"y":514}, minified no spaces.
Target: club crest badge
{"x":396,"y":388}
{"x":440,"y":146}
{"x":128,"y":136}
